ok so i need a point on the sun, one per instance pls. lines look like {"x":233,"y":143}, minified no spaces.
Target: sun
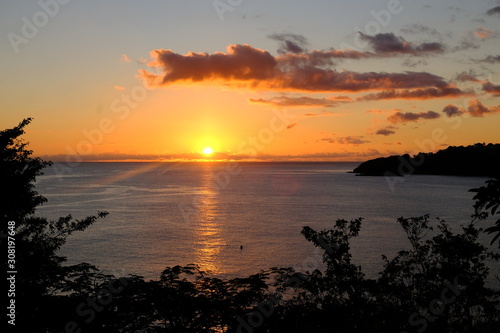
{"x":207,"y":150}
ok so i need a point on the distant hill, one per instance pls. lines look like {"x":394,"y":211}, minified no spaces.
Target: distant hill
{"x":475,"y":160}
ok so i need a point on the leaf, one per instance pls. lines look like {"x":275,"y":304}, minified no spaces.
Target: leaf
{"x":493,"y":211}
{"x":495,"y":238}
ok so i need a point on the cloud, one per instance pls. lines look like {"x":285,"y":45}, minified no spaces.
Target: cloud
{"x":491,"y":88}
{"x":246,"y":66}
{"x":494,"y":11}
{"x":383,"y":45}
{"x":320,"y":58}
{"x":467,"y":42}
{"x":422,"y":94}
{"x":477,"y":109}
{"x":323,"y":113}
{"x":315,"y":79}
{"x":124,"y":157}
{"x":352,"y":140}
{"x":467,"y":76}
{"x":346,"y":140}
{"x":420,"y":29}
{"x":343,"y":155}
{"x":119,"y":88}
{"x":412,"y":62}
{"x":293,"y":50}
{"x":400,"y":117}
{"x":290,"y":43}
{"x":483,"y":33}
{"x":491,"y":59}
{"x":455,"y":11}
{"x":388,"y":43}
{"x":290,"y":126}
{"x":453,"y":111}
{"x":303,"y":101}
{"x":376,"y":111}
{"x":351,"y":155}
{"x":125,"y":58}
{"x":240,"y":63}
{"x":389,"y":130}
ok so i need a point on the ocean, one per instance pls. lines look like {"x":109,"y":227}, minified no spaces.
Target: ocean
{"x":234,"y":219}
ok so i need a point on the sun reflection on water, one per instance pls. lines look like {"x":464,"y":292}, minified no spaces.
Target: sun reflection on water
{"x":208,"y":238}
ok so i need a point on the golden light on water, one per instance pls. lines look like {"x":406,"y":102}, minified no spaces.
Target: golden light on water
{"x":208,"y":237}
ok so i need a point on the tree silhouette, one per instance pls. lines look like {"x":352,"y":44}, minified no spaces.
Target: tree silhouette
{"x":487,"y":203}
{"x":40,"y":270}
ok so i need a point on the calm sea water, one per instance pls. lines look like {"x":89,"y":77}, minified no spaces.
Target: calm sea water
{"x":164,"y":214}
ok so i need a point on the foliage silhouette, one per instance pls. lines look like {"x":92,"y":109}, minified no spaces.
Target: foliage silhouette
{"x":488,"y":198}
{"x":438,"y":284}
{"x":42,"y":273}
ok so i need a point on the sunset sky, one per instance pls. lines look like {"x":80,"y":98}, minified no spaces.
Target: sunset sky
{"x":250,"y":79}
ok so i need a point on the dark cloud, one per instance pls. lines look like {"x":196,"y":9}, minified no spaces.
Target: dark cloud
{"x":475,"y":109}
{"x":422,"y":94}
{"x":452,"y":111}
{"x":491,"y":88}
{"x":494,"y":11}
{"x":467,"y":43}
{"x":293,"y":49}
{"x":245,"y":66}
{"x":384,"y":45}
{"x":290,"y":43}
{"x":492,"y":59}
{"x":322,"y":58}
{"x":386,"y":131}
{"x":467,"y":76}
{"x":241,"y":62}
{"x":400,"y":117}
{"x":412,"y":62}
{"x":290,"y":126}
{"x":316,"y":79}
{"x":388,"y":43}
{"x":303,"y":101}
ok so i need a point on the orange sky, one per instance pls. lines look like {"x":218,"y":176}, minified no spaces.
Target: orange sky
{"x":341,"y":82}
